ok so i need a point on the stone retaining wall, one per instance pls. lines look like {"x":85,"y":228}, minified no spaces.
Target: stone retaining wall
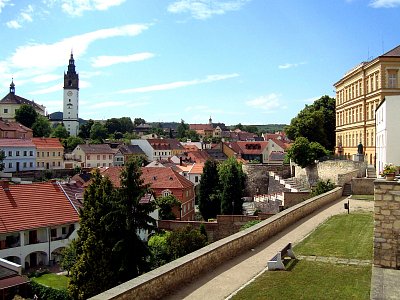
{"x":159,"y":282}
{"x":362,"y":186}
{"x":387,"y":224}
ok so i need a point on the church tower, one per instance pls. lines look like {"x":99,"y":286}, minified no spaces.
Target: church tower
{"x":71,"y":98}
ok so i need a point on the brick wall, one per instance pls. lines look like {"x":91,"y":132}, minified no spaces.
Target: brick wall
{"x":387,"y":224}
{"x":159,"y":282}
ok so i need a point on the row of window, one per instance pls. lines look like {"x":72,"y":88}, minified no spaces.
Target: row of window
{"x":98,"y":157}
{"x":355,"y":114}
{"x":162,"y":153}
{"x":19,"y":153}
{"x":48,"y":153}
{"x":99,"y":165}
{"x":372,"y":83}
{"x":38,"y":164}
{"x":353,"y":139}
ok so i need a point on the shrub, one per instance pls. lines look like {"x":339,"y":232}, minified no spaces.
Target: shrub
{"x":249,"y":224}
{"x":45,"y":292}
{"x":322,"y":187}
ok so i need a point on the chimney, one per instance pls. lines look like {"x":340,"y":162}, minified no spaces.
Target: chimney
{"x":5,"y":184}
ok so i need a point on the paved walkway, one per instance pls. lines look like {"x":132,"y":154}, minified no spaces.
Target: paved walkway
{"x":229,"y":277}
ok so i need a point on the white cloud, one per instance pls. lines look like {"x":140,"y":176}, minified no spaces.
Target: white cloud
{"x":267,"y":102}
{"x":45,"y":78}
{"x":50,"y":56}
{"x":105,"y":61}
{"x":77,"y":7}
{"x":288,"y":65}
{"x":25,"y":16}
{"x":179,"y":84}
{"x":384,"y":3}
{"x":310,"y":100}
{"x":3,"y":4}
{"x":52,"y":89}
{"x":204,"y":9}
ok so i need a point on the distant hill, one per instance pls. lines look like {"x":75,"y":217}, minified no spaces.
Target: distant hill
{"x":270,"y":128}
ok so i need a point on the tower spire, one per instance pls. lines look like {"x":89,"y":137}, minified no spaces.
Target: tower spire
{"x":12,"y":86}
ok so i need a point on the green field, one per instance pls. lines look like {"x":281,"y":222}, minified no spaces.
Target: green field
{"x":52,"y":280}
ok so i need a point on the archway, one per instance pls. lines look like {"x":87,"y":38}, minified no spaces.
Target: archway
{"x":35,"y":259}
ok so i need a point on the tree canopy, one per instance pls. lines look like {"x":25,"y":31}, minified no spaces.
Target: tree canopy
{"x":26,"y":115}
{"x":60,"y":132}
{"x":41,"y":127}
{"x":209,"y":200}
{"x":98,"y":132}
{"x":316,"y":122}
{"x":108,"y":248}
{"x":304,"y":153}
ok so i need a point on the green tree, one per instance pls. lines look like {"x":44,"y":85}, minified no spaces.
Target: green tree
{"x":304,"y":153}
{"x":138,"y":121}
{"x":26,"y":115}
{"x":93,"y":271}
{"x":98,"y":132}
{"x":165,"y":205}
{"x":232,"y":181}
{"x":126,"y":124}
{"x":2,"y":157}
{"x":113,"y":125}
{"x":315,"y":122}
{"x":238,"y":126}
{"x":251,"y":129}
{"x":41,"y":127}
{"x":181,"y":129}
{"x":68,"y":257}
{"x":168,"y":246}
{"x":71,"y":142}
{"x":322,"y":187}
{"x":84,"y":129}
{"x":209,"y":200}
{"x":60,"y":132}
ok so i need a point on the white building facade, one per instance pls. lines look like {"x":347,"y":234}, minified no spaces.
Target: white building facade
{"x":71,"y":99}
{"x":387,"y":133}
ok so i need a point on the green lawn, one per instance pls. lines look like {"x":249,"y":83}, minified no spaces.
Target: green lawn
{"x":346,"y":236}
{"x":52,"y":280}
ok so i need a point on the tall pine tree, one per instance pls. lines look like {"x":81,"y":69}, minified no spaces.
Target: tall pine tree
{"x":209,"y":200}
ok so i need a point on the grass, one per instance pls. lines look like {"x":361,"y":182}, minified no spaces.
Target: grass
{"x":363,"y":197}
{"x":311,"y":280}
{"x":55,"y":281}
{"x":345,"y":236}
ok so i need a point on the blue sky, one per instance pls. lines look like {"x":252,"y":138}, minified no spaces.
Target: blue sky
{"x":238,"y":61}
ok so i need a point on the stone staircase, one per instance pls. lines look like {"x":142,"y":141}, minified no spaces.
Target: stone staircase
{"x":371,"y":172}
{"x":347,"y":189}
{"x":289,"y":184}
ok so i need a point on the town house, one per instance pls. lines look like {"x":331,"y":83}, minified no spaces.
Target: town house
{"x":20,"y":155}
{"x":49,"y":153}
{"x":40,"y":221}
{"x":94,"y":155}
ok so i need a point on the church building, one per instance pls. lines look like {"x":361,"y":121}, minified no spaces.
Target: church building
{"x":71,"y":99}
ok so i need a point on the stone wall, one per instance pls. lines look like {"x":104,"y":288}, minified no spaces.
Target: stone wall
{"x":387,"y":224}
{"x":331,"y":169}
{"x":362,"y":186}
{"x":292,"y":198}
{"x":158,"y":283}
{"x":224,"y":225}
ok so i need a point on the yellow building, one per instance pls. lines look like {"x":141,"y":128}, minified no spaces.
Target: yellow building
{"x":50,"y":153}
{"x":358,"y":94}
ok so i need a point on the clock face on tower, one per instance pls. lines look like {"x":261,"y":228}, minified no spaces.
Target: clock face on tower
{"x":69,"y":93}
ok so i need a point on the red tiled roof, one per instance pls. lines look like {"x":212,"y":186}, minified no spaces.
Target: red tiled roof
{"x":42,"y":142}
{"x":281,"y":144}
{"x":13,"y":126}
{"x":197,"y":169}
{"x":11,"y":98}
{"x":199,"y":156}
{"x":205,"y":127}
{"x":165,"y":144}
{"x":16,"y":143}
{"x":30,"y":206}
{"x":165,"y":178}
{"x":250,"y":147}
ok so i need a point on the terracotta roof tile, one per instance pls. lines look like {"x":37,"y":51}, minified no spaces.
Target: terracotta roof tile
{"x":11,"y":98}
{"x":42,"y":142}
{"x":13,"y":126}
{"x":16,"y":143}
{"x":35,"y":205}
{"x":394,"y":52}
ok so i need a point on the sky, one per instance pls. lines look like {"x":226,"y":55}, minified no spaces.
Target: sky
{"x":236,"y":61}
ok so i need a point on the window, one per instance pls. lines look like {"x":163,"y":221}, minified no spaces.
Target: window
{"x":38,"y":164}
{"x":104,"y":157}
{"x":166,"y":193}
{"x":54,"y":163}
{"x":54,"y":154}
{"x":24,"y":164}
{"x":10,"y":165}
{"x":110,"y":156}
{"x":53,"y":233}
{"x":59,"y":153}
{"x":31,"y":164}
{"x":42,"y":164}
{"x":392,"y":79}
{"x":48,"y":154}
{"x":88,"y":157}
{"x":9,"y":153}
{"x":17,"y":153}
{"x":64,"y":230}
{"x":25,"y":153}
{"x":59,"y":164}
{"x":98,"y":157}
{"x":31,"y":153}
{"x":6,"y":110}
